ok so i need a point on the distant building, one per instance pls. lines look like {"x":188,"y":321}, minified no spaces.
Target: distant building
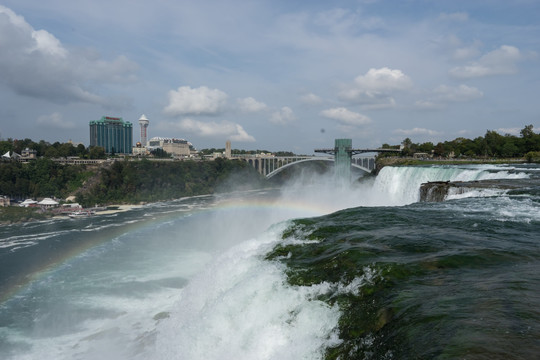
{"x":29,"y":153}
{"x":113,"y":134}
{"x":48,"y":203}
{"x":228,"y":149}
{"x":177,"y":147}
{"x":4,"y":201}
{"x":139,"y":150}
{"x":143,"y":123}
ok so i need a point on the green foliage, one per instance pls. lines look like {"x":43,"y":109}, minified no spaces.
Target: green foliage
{"x":40,"y":178}
{"x":160,"y":153}
{"x":44,"y":148}
{"x":492,"y":144}
{"x":147,"y":181}
{"x":97,"y":152}
{"x":533,"y":156}
{"x":13,"y":214}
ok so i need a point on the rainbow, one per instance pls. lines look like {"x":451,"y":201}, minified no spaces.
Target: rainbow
{"x":279,"y":210}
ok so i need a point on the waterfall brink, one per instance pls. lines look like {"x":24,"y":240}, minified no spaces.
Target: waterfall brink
{"x":401,"y":185}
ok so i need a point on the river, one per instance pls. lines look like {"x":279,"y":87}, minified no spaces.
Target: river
{"x":309,"y":271}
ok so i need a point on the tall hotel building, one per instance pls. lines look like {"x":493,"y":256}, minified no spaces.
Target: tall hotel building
{"x":113,"y":134}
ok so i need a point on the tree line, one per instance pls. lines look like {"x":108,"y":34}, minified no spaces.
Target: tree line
{"x":148,"y":181}
{"x":40,"y":178}
{"x":123,"y":181}
{"x":491,"y":145}
{"x":55,"y":150}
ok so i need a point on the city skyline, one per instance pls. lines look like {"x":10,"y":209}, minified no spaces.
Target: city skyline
{"x":271,"y":75}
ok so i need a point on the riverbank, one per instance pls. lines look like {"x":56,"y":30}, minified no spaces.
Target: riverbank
{"x":15,"y":214}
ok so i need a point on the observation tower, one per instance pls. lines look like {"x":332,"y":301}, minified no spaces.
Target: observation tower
{"x":143,"y":122}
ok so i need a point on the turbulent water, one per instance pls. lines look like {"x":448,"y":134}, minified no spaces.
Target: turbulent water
{"x":310,"y":271}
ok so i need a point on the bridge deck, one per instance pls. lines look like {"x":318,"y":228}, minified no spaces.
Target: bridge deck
{"x":356,"y":151}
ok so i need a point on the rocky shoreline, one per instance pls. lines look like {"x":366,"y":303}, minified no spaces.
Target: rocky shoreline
{"x":14,"y":215}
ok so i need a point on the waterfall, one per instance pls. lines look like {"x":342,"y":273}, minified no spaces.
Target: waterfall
{"x":401,"y":185}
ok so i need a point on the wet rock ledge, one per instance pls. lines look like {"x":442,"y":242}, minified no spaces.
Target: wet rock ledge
{"x":436,"y":191}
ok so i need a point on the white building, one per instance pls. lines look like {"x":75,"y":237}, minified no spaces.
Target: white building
{"x":4,"y":201}
{"x":176,"y":147}
{"x":48,"y":203}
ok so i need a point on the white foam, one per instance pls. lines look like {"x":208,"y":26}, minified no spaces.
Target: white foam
{"x":499,"y":207}
{"x":242,"y":308}
{"x":454,"y":193}
{"x":401,"y":185}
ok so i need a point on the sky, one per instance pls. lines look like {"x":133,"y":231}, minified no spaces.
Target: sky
{"x":270,"y":74}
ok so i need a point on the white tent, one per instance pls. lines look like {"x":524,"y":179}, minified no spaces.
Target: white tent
{"x":48,"y":202}
{"x":6,"y":155}
{"x":27,"y":203}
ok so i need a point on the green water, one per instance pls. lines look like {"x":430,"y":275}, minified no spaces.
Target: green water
{"x":425,"y":281}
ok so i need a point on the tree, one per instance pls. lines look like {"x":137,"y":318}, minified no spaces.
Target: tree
{"x":509,"y":149}
{"x":530,"y":141}
{"x":5,"y":146}
{"x":97,"y":152}
{"x":426,"y":147}
{"x":81,"y":151}
{"x":51,"y":152}
{"x":527,"y":132}
{"x":494,"y":142}
{"x":439,"y":150}
{"x":160,"y":153}
{"x":407,"y":151}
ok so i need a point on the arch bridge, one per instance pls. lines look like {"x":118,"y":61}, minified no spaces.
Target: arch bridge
{"x":269,"y":165}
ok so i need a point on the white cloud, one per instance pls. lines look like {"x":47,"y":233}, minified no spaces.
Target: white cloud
{"x":511,"y":131}
{"x":310,"y":99}
{"x":376,"y":87}
{"x":34,"y":63}
{"x":383,"y":79}
{"x":416,"y":131}
{"x":444,"y":95}
{"x":54,"y":120}
{"x":457,"y":94}
{"x":199,"y":101}
{"x":47,"y":43}
{"x":346,"y":117}
{"x":501,"y":61}
{"x":283,"y":116}
{"x":224,"y":129}
{"x":249,"y":104}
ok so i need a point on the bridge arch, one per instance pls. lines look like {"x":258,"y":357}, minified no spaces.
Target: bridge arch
{"x":316,"y":158}
{"x":280,"y":169}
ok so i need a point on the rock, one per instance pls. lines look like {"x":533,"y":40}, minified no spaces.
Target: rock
{"x":437,"y":191}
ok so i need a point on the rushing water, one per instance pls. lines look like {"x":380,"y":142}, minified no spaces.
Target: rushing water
{"x":307,"y":272}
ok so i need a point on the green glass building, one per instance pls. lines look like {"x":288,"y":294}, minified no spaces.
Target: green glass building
{"x":113,"y":134}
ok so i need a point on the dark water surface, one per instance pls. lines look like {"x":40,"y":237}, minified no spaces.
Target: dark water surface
{"x":438,"y":280}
